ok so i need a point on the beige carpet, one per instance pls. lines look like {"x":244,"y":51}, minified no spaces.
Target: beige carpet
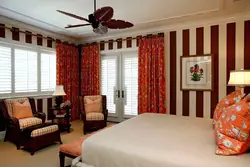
{"x":47,"y":157}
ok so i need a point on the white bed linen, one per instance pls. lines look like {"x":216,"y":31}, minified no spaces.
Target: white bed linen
{"x":156,"y":140}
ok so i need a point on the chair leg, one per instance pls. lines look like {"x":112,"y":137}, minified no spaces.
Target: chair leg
{"x":62,"y":159}
{"x":17,"y":146}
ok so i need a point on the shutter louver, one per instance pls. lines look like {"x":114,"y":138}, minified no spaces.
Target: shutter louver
{"x":108,"y":81}
{"x":131,"y":85}
{"x":48,"y":72}
{"x":25,"y":71}
{"x":5,"y":70}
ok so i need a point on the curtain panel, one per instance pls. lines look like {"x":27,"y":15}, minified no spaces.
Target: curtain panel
{"x":90,"y":70}
{"x":151,"y":89}
{"x":67,"y":63}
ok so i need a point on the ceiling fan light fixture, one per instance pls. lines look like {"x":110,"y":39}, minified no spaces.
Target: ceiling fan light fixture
{"x":101,"y":29}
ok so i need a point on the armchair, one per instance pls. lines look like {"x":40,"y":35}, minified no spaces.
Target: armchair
{"x":14,"y":126}
{"x":94,"y":112}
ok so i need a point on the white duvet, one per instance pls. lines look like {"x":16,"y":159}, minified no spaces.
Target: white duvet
{"x":156,"y":140}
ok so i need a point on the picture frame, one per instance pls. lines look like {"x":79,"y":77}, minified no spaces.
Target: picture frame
{"x":196,"y":72}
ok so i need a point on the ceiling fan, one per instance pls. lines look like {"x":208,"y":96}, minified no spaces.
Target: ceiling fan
{"x":101,"y":20}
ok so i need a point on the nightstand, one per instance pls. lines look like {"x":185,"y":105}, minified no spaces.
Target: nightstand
{"x":61,"y":114}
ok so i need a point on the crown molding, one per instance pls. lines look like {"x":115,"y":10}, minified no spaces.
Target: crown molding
{"x":172,"y":27}
{"x":23,"y":26}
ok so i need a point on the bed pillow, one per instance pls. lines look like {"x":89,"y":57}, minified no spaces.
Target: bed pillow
{"x":232,"y":129}
{"x":22,"y":110}
{"x":226,"y":102}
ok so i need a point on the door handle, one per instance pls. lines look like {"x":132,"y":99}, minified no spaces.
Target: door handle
{"x":118,"y":93}
{"x":122,"y":93}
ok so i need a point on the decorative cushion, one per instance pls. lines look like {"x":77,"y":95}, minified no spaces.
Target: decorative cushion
{"x":43,"y":131}
{"x":94,"y":116}
{"x":93,"y":103}
{"x":92,"y":107}
{"x":74,"y":148}
{"x":21,"y":110}
{"x":27,"y":122}
{"x":232,"y":129}
{"x":8,"y":103}
{"x":226,"y":102}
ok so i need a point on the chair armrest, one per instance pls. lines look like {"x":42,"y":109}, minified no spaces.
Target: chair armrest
{"x":83,"y":115}
{"x":105,"y":113}
{"x":40,"y":115}
{"x":13,"y":123}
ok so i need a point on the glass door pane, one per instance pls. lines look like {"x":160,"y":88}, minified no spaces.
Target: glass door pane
{"x":130,"y":83}
{"x":109,"y":81}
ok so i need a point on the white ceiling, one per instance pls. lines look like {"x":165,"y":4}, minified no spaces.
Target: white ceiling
{"x":144,"y":14}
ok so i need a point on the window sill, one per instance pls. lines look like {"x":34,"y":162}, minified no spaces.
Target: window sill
{"x":44,"y":96}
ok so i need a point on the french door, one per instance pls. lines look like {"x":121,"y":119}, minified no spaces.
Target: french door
{"x":119,"y":82}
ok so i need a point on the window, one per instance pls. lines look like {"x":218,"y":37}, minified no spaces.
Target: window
{"x":26,"y":71}
{"x":5,"y":70}
{"x":48,"y":72}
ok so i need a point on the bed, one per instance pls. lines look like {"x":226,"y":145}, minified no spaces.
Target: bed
{"x":156,"y":140}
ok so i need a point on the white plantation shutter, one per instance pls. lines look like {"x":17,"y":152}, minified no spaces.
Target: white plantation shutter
{"x":108,"y":81}
{"x":25,"y":71}
{"x":131,"y":84}
{"x":48,"y":72}
{"x":5,"y":70}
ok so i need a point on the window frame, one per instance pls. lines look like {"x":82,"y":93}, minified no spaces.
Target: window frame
{"x":39,"y":50}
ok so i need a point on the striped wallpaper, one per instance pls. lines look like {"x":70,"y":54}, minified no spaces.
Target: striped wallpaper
{"x":43,"y":105}
{"x":230,"y":45}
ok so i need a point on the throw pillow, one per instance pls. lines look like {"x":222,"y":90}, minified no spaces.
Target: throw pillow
{"x":226,"y":102}
{"x":22,"y":110}
{"x":95,"y":107}
{"x":232,"y":129}
{"x":90,"y":101}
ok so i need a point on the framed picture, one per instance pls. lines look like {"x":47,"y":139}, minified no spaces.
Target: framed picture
{"x":197,"y":72}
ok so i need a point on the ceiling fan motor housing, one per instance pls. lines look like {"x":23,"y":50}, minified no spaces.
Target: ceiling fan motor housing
{"x":93,"y":21}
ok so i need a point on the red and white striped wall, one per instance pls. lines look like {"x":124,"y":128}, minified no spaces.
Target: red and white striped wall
{"x":230,"y":45}
{"x":43,"y":105}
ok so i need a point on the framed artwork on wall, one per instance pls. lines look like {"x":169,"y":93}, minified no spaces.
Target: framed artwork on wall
{"x":197,"y":72}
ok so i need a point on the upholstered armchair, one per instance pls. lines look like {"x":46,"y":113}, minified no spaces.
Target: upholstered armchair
{"x":15,"y":126}
{"x":94,"y":112}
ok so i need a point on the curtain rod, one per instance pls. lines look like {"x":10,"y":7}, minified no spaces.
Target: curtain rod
{"x":29,"y":33}
{"x":126,"y":39}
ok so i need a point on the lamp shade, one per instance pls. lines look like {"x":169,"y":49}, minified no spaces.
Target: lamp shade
{"x":59,"y":91}
{"x":239,"y":78}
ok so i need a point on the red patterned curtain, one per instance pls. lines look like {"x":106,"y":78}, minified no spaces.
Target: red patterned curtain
{"x":67,"y":63}
{"x":90,"y":69}
{"x":151,"y":92}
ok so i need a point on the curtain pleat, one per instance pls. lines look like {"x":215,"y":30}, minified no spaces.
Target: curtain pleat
{"x":67,"y":58}
{"x":90,"y":70}
{"x":151,"y":92}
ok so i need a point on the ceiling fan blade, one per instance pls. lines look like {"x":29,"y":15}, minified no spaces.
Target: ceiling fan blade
{"x":78,"y":25}
{"x":104,"y":14}
{"x":73,"y":15}
{"x":118,"y":24}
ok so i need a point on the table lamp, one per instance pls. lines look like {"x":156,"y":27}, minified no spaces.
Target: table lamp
{"x":239,"y":78}
{"x":59,"y":93}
